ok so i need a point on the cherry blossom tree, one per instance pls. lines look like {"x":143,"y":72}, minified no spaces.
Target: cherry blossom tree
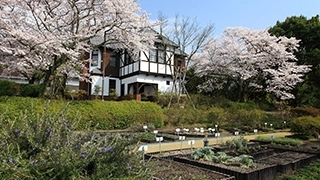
{"x":51,"y":36}
{"x":250,"y":61}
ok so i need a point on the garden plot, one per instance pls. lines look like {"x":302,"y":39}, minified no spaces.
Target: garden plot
{"x":264,"y":168}
{"x":166,"y":169}
{"x":289,"y":161}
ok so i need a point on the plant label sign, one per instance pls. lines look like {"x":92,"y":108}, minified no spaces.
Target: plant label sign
{"x":143,"y":148}
{"x":191,"y":142}
{"x":182,"y":138}
{"x":159,"y":139}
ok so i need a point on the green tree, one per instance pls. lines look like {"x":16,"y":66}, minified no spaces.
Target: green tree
{"x":308,"y":31}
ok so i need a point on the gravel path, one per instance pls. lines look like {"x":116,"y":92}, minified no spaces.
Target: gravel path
{"x":168,"y":146}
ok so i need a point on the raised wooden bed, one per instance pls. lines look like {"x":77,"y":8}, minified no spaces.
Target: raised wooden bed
{"x":280,"y":149}
{"x":217,"y":148}
{"x":169,"y":137}
{"x":289,"y":161}
{"x":170,"y":156}
{"x":167,"y":169}
{"x":263,"y":171}
{"x":262,"y":154}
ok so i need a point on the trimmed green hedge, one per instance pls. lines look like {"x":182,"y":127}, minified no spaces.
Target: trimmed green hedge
{"x":104,"y":115}
{"x":9,"y":88}
{"x":307,"y":126}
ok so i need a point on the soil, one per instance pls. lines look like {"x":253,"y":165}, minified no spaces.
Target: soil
{"x":235,"y":168}
{"x":166,"y":169}
{"x":284,"y":158}
{"x":308,"y":145}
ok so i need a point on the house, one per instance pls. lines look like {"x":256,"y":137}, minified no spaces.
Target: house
{"x":157,"y":70}
{"x":118,"y":74}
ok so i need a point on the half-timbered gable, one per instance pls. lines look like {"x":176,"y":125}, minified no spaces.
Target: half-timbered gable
{"x":148,"y":72}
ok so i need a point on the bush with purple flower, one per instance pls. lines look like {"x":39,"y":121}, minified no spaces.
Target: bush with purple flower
{"x":47,"y":147}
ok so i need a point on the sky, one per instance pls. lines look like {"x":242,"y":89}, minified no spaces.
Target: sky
{"x":254,"y":14}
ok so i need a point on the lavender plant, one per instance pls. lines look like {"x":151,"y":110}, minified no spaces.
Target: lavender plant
{"x":47,"y":147}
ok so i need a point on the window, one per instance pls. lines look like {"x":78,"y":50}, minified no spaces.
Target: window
{"x":113,"y":59}
{"x":161,"y":56}
{"x":95,"y":57}
{"x":153,"y":55}
{"x":168,"y":82}
{"x":127,"y":58}
{"x":112,"y":85}
{"x":158,"y":55}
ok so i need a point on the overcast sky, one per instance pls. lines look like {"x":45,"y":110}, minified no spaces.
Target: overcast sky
{"x":255,"y":14}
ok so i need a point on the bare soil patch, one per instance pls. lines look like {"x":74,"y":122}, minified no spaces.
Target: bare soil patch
{"x":166,"y":169}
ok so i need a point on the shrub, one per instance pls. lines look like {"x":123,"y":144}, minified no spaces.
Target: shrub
{"x":299,"y":111}
{"x":182,"y":116}
{"x":117,"y":115}
{"x":103,"y":115}
{"x":30,"y":90}
{"x":46,"y":147}
{"x":306,"y":126}
{"x":246,"y":117}
{"x":216,"y":115}
{"x":9,"y":88}
{"x":241,"y":105}
{"x":75,"y":95}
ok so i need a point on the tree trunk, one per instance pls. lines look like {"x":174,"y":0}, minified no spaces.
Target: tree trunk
{"x":58,"y":61}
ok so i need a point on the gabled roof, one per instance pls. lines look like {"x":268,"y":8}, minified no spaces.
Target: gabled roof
{"x":161,"y":39}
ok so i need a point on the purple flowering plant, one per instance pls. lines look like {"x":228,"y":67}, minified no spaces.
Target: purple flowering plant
{"x":48,"y":147}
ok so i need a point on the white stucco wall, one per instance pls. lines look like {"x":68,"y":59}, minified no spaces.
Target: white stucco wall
{"x":97,"y":81}
{"x":161,"y":81}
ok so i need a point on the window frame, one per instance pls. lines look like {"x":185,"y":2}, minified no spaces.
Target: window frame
{"x":98,"y":65}
{"x":113,"y":59}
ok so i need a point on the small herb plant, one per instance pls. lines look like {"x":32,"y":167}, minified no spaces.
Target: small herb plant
{"x":238,"y":144}
{"x":207,"y":154}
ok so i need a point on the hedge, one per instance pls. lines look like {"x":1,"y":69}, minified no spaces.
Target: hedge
{"x":307,"y":126}
{"x":9,"y":88}
{"x":182,"y":116}
{"x":104,"y":115}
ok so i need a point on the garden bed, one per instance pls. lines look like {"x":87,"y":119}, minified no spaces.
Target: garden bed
{"x":225,"y":148}
{"x":308,"y":150}
{"x":166,"y":169}
{"x":262,"y":171}
{"x":256,"y":154}
{"x":288,"y":161}
{"x":168,"y":154}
